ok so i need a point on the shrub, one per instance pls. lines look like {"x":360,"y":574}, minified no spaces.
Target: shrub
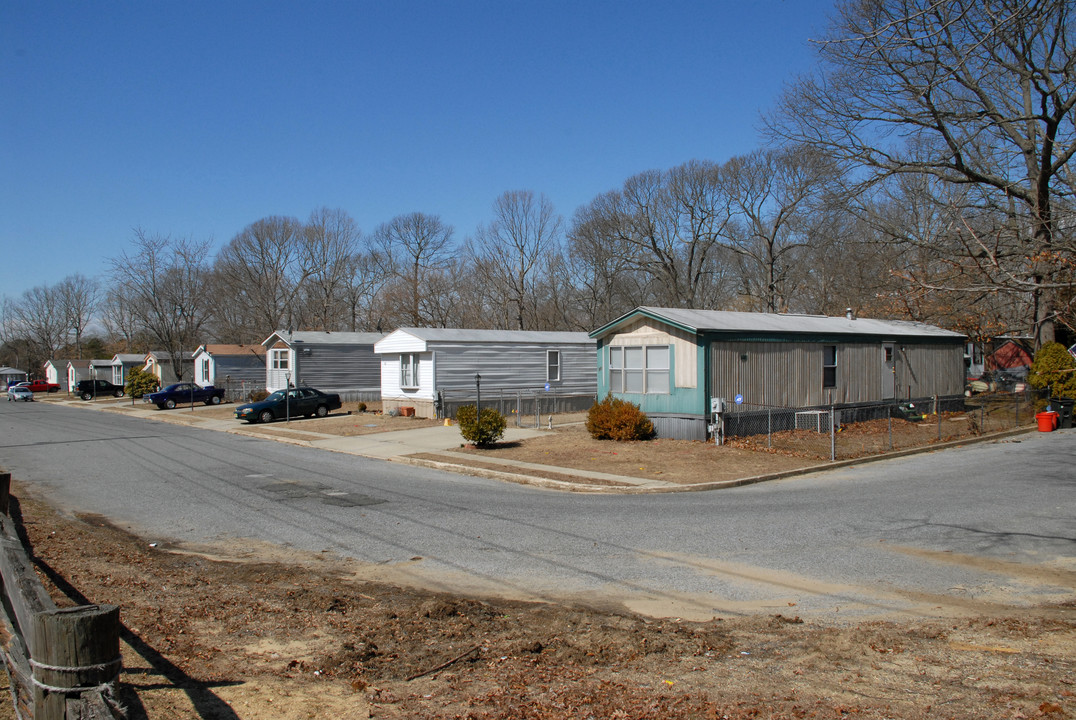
{"x":483,"y":430}
{"x":361,"y":407}
{"x":616,"y":419}
{"x":139,"y":382}
{"x":1054,"y":368}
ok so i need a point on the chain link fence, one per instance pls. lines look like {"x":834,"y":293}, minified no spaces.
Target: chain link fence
{"x":523,"y":407}
{"x":847,"y":432}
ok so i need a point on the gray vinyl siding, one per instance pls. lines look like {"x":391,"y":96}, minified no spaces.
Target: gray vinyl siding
{"x":513,"y":366}
{"x":235,"y":369}
{"x":337,"y":368}
{"x":789,"y":374}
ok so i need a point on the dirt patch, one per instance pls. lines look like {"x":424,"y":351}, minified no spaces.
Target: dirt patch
{"x":248,"y":631}
{"x":671,"y":461}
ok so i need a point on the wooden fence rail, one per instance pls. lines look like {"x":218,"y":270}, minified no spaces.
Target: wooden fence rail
{"x":63,"y":662}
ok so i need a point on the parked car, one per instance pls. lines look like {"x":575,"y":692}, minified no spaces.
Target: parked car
{"x":19,"y":392}
{"x":303,"y":401}
{"x":89,"y":389}
{"x":40,"y":386}
{"x":184,"y":393}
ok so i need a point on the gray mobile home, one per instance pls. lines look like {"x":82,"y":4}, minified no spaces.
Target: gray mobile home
{"x":340,"y":362}
{"x":672,"y":361}
{"x":420,"y":366}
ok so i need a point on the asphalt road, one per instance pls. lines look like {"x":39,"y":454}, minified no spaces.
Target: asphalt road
{"x":973,"y":529}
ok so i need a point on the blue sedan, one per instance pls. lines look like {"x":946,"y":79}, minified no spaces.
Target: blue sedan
{"x":302,"y":401}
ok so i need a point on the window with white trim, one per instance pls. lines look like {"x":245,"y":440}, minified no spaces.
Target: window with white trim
{"x":205,"y":369}
{"x":643,"y":369}
{"x":278,"y":359}
{"x":409,"y":370}
{"x":552,"y":365}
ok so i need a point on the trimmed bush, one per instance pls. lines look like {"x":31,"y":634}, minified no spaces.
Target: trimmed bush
{"x":139,"y":382}
{"x":1055,"y":369}
{"x":482,"y":431}
{"x":361,"y":407}
{"x":616,"y":419}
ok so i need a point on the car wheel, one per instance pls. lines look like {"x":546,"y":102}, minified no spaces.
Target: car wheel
{"x":170,"y":403}
{"x":87,"y":396}
{"x":214,"y":400}
{"x":117,"y":393}
{"x":266,"y":416}
{"x":322,"y":411}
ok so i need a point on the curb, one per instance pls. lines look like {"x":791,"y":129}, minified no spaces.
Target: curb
{"x":522,"y":479}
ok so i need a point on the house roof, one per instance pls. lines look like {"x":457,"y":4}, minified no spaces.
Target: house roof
{"x":697,"y":321}
{"x":461,"y":335}
{"x":83,"y":364}
{"x":312,"y":337}
{"x":163,"y":355}
{"x":224,"y":350}
{"x":11,"y":371}
{"x":128,"y":358}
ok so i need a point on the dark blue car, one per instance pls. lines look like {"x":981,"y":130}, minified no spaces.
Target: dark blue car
{"x":303,"y":401}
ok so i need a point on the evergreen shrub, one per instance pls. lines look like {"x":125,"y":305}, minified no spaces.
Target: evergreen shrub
{"x":483,"y":431}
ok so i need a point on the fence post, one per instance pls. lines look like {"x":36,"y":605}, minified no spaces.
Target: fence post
{"x":1016,"y":398}
{"x":73,"y":650}
{"x":769,"y":427}
{"x":891,"y":429}
{"x":937,"y":413}
{"x":832,"y":435}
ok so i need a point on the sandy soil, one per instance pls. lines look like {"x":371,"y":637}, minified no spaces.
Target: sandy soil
{"x":261,"y":632}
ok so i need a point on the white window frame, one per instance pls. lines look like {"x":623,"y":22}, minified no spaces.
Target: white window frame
{"x":280,"y":359}
{"x":409,"y":371}
{"x":628,"y":366}
{"x":829,"y":371}
{"x":552,"y":368}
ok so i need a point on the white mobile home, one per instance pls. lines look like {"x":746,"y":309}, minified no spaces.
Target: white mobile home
{"x":422,"y":367}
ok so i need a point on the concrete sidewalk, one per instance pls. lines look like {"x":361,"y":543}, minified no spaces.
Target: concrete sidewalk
{"x":403,"y":445}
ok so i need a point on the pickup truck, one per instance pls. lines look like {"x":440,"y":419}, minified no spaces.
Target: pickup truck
{"x":184,"y":393}
{"x":40,"y":386}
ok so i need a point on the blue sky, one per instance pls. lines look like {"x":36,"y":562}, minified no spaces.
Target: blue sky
{"x":194,"y":119}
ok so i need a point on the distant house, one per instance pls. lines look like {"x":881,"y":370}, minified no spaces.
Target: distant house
{"x":97,"y":369}
{"x":671,"y":362}
{"x":122,"y":364}
{"x":159,"y":364}
{"x":1005,"y":352}
{"x":10,"y":376}
{"x":238,"y":368}
{"x":419,"y":366}
{"x":56,"y":372}
{"x":340,"y":362}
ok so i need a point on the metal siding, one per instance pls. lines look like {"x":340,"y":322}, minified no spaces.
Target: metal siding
{"x":789,"y":374}
{"x":338,"y":367}
{"x":511,"y":366}
{"x":239,"y":369}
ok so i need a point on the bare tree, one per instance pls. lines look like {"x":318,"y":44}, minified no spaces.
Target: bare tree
{"x":79,"y":300}
{"x":38,"y":317}
{"x":120,"y":317}
{"x":511,"y":252}
{"x":976,"y":93}
{"x":417,"y":250}
{"x":331,"y":245}
{"x":265,"y":267}
{"x":777,"y":197}
{"x":166,"y":282}
{"x":672,"y":224}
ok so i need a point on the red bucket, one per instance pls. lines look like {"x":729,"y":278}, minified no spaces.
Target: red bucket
{"x":1048,"y":421}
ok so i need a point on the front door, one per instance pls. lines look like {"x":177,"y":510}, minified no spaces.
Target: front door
{"x":889,"y":371}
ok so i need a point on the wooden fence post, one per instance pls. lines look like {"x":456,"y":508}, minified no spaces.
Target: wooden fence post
{"x":72,"y":650}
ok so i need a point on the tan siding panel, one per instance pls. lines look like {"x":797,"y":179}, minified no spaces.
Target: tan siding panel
{"x":648,"y":332}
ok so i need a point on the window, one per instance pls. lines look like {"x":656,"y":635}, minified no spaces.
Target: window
{"x":278,"y":359}
{"x":409,"y":371}
{"x":552,"y":365}
{"x":829,"y":366}
{"x":640,"y":369}
{"x":205,"y":369}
